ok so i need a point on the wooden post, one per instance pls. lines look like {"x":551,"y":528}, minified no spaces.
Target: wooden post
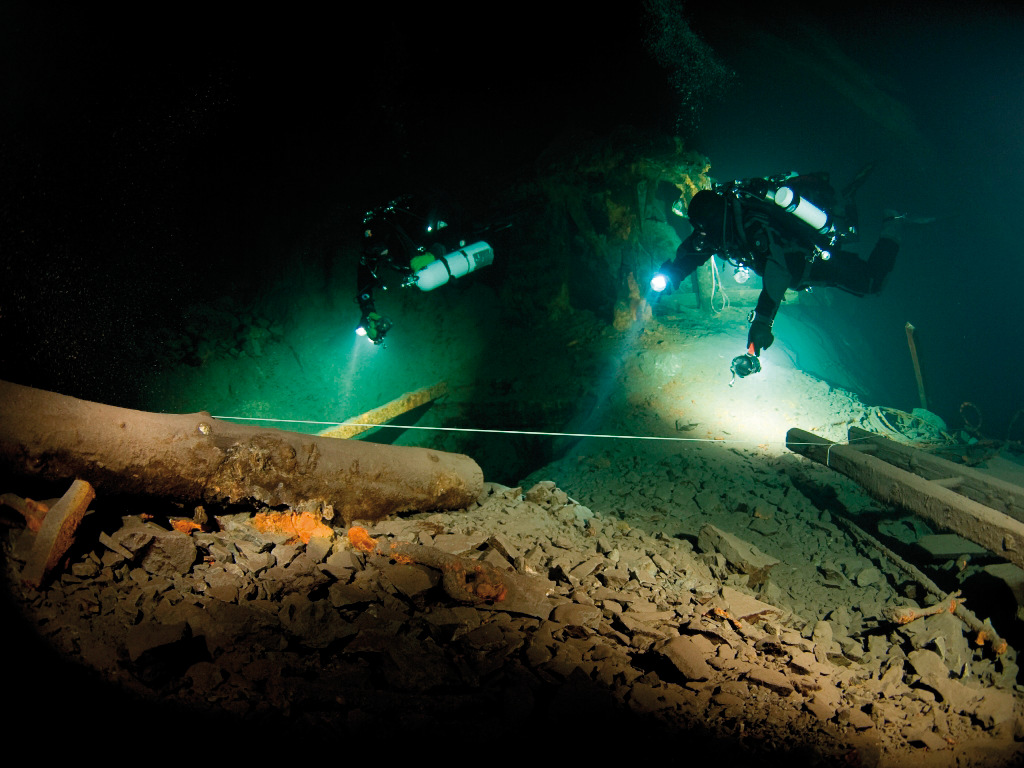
{"x":196,"y":458}
{"x":704,"y":279}
{"x":917,"y":366}
{"x":983,"y":525}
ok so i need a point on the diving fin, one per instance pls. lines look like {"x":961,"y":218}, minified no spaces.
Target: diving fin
{"x":851,"y":189}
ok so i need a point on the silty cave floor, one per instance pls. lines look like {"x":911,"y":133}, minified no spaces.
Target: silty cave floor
{"x":706,"y":591}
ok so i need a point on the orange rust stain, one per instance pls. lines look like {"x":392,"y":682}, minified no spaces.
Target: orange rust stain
{"x":185,"y":526}
{"x":35,"y":512}
{"x":36,"y":507}
{"x":300,"y":525}
{"x":490,"y":591}
{"x":360,"y":539}
{"x":724,"y":614}
{"x":478,"y":582}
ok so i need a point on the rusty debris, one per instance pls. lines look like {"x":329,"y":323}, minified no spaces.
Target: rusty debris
{"x":33,"y":512}
{"x":301,"y":526}
{"x":57,"y":532}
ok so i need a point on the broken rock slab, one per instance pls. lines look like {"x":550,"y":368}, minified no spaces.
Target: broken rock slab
{"x":772,"y":679}
{"x":746,"y":607}
{"x":146,"y":637}
{"x":739,"y":554}
{"x":989,"y":706}
{"x":944,"y":633}
{"x":1012,"y":576}
{"x":158,"y":550}
{"x":411,"y":579}
{"x":946,"y":546}
{"x":689,"y":654}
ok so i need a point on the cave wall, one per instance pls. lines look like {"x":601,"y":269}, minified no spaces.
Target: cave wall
{"x":604,"y":224}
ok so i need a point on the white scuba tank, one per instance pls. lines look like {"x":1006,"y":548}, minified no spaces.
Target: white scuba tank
{"x":804,"y":210}
{"x":454,"y":265}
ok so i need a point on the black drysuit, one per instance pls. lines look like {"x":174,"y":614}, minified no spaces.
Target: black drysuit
{"x":783,"y":259}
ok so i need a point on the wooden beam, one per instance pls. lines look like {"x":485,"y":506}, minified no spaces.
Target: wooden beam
{"x":387,"y":412}
{"x":976,"y":522}
{"x":967,"y":481}
{"x":57,"y":533}
{"x":194,"y":458}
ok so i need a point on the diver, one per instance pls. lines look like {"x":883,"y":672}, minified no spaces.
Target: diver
{"x":789,"y":230}
{"x":393,"y":239}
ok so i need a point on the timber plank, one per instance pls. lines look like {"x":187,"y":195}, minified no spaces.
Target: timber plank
{"x":985,"y":489}
{"x":987,"y":527}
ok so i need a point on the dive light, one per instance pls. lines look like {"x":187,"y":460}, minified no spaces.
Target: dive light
{"x":659,"y":283}
{"x":745,"y":365}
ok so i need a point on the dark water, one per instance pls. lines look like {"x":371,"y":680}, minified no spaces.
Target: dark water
{"x":148,"y":162}
{"x":931,"y":94}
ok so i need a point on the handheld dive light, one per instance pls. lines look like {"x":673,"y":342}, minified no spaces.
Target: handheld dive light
{"x":374,"y":327}
{"x":744,"y":365}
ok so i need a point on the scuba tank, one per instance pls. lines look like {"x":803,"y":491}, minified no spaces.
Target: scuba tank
{"x":778,"y":198}
{"x":452,"y":265}
{"x":812,"y":216}
{"x":805,"y":210}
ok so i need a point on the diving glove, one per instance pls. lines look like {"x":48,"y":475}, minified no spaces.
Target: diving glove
{"x":760,"y":334}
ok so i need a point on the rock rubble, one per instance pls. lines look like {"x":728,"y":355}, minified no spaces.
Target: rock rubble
{"x":602,"y":622}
